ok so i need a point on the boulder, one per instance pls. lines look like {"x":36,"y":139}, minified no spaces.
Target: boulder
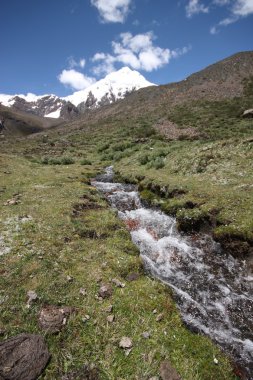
{"x":24,"y":356}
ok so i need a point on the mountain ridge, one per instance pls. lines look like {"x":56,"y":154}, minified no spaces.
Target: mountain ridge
{"x":106,"y":91}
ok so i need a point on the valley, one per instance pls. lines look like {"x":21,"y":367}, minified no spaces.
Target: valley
{"x":188,"y":151}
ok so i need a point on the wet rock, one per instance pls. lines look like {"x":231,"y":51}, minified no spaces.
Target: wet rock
{"x":23,"y":357}
{"x":87,"y":372}
{"x":105,"y":291}
{"x":32,"y":297}
{"x":53,"y":318}
{"x":125,"y":343}
{"x":167,"y":372}
{"x":119,"y":284}
{"x":132,"y":276}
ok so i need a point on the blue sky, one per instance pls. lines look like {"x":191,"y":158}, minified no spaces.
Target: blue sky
{"x":60,"y":46}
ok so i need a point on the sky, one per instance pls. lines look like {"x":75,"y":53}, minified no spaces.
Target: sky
{"x":61,"y":46}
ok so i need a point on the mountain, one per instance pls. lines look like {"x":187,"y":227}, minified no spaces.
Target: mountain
{"x":220,"y":81}
{"x":114,"y":86}
{"x":18,"y":123}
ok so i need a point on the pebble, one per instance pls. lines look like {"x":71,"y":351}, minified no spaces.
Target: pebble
{"x":86,"y":318}
{"x":160,"y":317}
{"x":119,"y":284}
{"x":83,"y":292}
{"x":146,"y":335}
{"x":125,"y":343}
{"x":110,"y":318}
{"x":105,"y":291}
{"x":32,"y":297}
{"x":109,"y":309}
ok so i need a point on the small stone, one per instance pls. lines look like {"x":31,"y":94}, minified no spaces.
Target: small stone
{"x":125,"y":343}
{"x":215,"y":361}
{"x":69,"y":278}
{"x":32,"y":297}
{"x":109,"y":309}
{"x":105,"y":291}
{"x":146,"y":335}
{"x":110,"y":318}
{"x":154,"y":311}
{"x":154,"y":378}
{"x":119,"y":284}
{"x":86,"y":318}
{"x":103,"y":265}
{"x":127,"y":352}
{"x":167,"y":372}
{"x":83,"y":292}
{"x":132,"y":277}
{"x":159,"y":318}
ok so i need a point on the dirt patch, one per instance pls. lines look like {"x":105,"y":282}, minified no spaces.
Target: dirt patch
{"x":172,"y":132}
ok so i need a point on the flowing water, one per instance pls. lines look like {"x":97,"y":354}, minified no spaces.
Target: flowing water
{"x":212,"y":289}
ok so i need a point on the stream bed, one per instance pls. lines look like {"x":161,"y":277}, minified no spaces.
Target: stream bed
{"x":213,"y":290}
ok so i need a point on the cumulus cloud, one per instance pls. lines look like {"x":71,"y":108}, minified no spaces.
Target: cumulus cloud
{"x":75,"y":79}
{"x":138,"y":52}
{"x":194,"y":7}
{"x":237,"y":10}
{"x":112,"y":10}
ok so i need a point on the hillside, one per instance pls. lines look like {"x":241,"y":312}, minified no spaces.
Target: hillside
{"x":19,"y":123}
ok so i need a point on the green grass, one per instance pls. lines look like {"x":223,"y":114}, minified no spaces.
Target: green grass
{"x":55,"y":243}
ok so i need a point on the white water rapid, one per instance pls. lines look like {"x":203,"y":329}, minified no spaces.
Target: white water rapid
{"x":212,"y":289}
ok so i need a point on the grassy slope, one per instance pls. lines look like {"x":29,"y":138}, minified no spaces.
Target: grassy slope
{"x":40,"y":260}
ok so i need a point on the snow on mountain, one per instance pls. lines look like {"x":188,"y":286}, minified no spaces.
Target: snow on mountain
{"x":106,"y":91}
{"x":113,"y":87}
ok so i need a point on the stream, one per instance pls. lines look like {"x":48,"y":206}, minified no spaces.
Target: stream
{"x":213,"y":290}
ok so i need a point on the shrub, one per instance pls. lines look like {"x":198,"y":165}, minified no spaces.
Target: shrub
{"x":67,"y":161}
{"x":84,"y":161}
{"x":143,"y":160}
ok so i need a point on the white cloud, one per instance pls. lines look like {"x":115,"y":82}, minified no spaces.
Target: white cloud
{"x":138,"y":52}
{"x":73,"y":63}
{"x":239,"y":9}
{"x":194,"y":7}
{"x":112,"y":10}
{"x":75,"y":80}
{"x":243,"y":8}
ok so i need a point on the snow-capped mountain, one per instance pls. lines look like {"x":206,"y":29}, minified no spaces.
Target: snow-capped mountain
{"x":114,"y":86}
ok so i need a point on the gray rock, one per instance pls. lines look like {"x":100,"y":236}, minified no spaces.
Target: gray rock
{"x":125,"y":343}
{"x":105,"y":291}
{"x":23,"y":357}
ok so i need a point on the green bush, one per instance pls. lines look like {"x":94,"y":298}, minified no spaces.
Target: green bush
{"x":84,"y":161}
